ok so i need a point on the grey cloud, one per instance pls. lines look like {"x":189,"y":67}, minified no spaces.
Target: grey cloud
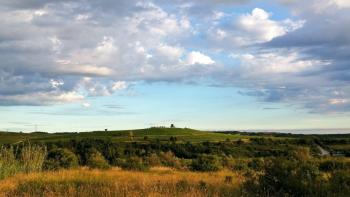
{"x":110,"y":41}
{"x":70,"y":40}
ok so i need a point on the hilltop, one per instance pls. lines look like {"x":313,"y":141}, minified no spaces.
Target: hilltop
{"x":139,"y":135}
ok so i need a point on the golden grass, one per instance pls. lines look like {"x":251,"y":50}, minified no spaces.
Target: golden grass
{"x":158,"y":181}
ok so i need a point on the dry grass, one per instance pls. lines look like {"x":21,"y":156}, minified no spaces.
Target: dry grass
{"x":31,"y":159}
{"x":158,"y":181}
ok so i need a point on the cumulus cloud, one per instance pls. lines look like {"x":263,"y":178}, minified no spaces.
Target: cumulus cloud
{"x":77,"y":40}
{"x":119,"y":85}
{"x":327,"y":52}
{"x":252,"y":28}
{"x":275,"y":62}
{"x":41,"y":98}
{"x":65,"y":51}
{"x":196,"y":57}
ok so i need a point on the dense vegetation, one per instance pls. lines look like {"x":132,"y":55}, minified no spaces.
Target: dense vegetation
{"x":268,"y":164}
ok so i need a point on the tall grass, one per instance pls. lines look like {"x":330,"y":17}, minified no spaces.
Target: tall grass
{"x":32,"y":158}
{"x":29,"y":158}
{"x":115,"y":182}
{"x":8,"y":163}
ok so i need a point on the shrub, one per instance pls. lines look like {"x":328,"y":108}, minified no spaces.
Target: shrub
{"x":234,"y":164}
{"x":169,"y":159}
{"x":154,"y":160}
{"x":206,"y":163}
{"x":256,"y":164}
{"x":135,"y":163}
{"x":61,"y":158}
{"x":331,"y":165}
{"x":284,"y":177}
{"x":96,"y":160}
{"x":340,"y":184}
{"x":240,"y":164}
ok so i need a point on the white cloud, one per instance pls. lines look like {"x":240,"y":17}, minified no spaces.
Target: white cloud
{"x":338,"y":101}
{"x":275,"y":62}
{"x":86,"y":105}
{"x":82,"y":17}
{"x":196,"y":57}
{"x":258,"y":27}
{"x":119,"y":85}
{"x":49,"y":49}
{"x":56,"y":44}
{"x":342,"y":3}
{"x":42,"y":98}
{"x":56,"y":83}
{"x":171,"y":52}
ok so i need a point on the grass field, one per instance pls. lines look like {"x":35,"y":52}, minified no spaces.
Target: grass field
{"x":190,"y":135}
{"x":158,"y":181}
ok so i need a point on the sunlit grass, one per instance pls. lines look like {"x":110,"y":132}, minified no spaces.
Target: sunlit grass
{"x":159,"y":181}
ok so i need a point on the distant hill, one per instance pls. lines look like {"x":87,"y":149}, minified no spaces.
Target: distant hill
{"x":177,"y":134}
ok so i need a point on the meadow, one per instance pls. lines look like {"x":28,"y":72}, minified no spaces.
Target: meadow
{"x":159,"y":181}
{"x":173,"y":162}
{"x":139,"y":135}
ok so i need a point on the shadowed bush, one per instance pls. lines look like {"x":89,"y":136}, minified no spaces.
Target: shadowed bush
{"x":61,"y":158}
{"x":135,"y":163}
{"x":96,"y":160}
{"x":206,"y":163}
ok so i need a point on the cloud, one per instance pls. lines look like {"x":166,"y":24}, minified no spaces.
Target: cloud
{"x":119,"y":85}
{"x":196,"y":57}
{"x":250,"y":28}
{"x":54,"y":52}
{"x":263,"y":64}
{"x":41,"y":98}
{"x":86,"y":105}
{"x":75,"y":40}
{"x":320,"y":65}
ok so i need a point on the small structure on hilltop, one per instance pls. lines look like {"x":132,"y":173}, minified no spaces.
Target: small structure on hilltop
{"x":172,"y":126}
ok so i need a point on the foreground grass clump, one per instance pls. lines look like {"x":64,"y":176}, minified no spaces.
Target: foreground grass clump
{"x":116,"y":182}
{"x":25,"y":159}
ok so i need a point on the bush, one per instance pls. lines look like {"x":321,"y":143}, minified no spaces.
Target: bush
{"x":61,"y":158}
{"x":340,"y":184}
{"x":234,"y":164}
{"x":135,"y":163}
{"x":96,"y":160}
{"x":240,"y":165}
{"x":256,"y":164}
{"x":153,"y":160}
{"x":169,"y":159}
{"x":331,"y":165}
{"x":206,"y":163}
{"x":284,"y":177}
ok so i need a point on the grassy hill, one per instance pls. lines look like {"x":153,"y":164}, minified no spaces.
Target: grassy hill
{"x":181,"y":134}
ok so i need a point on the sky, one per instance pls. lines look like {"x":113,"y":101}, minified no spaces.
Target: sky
{"x":82,"y":65}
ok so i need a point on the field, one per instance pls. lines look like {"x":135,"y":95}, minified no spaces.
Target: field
{"x":173,"y":162}
{"x":139,"y":135}
{"x":158,"y":181}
